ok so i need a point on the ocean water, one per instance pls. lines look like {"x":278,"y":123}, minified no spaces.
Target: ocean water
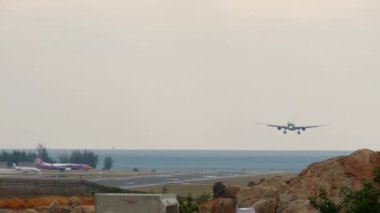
{"x":210,"y":161}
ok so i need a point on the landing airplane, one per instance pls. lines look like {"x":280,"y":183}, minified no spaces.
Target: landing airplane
{"x":26,"y":169}
{"x":291,"y":126}
{"x":60,"y":166}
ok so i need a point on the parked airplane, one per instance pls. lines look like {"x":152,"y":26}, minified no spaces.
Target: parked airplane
{"x":26,"y":169}
{"x":291,"y":126}
{"x":60,"y":166}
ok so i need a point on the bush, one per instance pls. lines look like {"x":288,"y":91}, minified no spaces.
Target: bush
{"x":365,"y":200}
{"x":108,"y":162}
{"x":189,"y":204}
{"x":77,"y":156}
{"x":323,"y":203}
{"x":43,"y":154}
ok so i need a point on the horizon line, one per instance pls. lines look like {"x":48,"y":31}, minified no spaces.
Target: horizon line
{"x":153,"y":149}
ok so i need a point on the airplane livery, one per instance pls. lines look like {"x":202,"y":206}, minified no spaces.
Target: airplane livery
{"x":26,"y":169}
{"x":60,"y":166}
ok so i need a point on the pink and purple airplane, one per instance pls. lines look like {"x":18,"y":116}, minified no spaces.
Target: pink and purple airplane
{"x":60,"y":166}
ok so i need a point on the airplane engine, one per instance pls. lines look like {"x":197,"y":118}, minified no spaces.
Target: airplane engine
{"x":303,"y":129}
{"x":279,"y":128}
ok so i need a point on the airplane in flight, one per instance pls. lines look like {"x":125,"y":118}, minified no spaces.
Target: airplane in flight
{"x":26,"y":169}
{"x":291,"y":126}
{"x":60,"y":166}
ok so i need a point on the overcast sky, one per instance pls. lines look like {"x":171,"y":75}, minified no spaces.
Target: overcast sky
{"x":176,"y":74}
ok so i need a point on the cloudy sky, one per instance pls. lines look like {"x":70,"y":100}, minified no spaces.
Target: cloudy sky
{"x":176,"y":74}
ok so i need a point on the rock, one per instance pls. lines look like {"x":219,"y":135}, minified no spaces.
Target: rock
{"x":64,"y":210}
{"x":218,"y":189}
{"x":52,"y":207}
{"x":30,"y":211}
{"x":223,"y":205}
{"x":266,"y":205}
{"x":73,"y":201}
{"x":219,"y":205}
{"x":334,"y":174}
{"x":231,"y":191}
{"x":6,"y":211}
{"x":331,"y":175}
{"x":360,"y":164}
{"x":299,"y":206}
{"x":77,"y":209}
{"x":89,"y":209}
{"x":248,"y":196}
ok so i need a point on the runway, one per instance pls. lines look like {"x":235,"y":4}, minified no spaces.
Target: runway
{"x":161,"y":179}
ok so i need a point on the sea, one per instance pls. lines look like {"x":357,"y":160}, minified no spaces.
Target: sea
{"x":210,"y":160}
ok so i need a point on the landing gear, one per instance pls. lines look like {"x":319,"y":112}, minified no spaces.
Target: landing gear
{"x":299,"y":132}
{"x":284,"y":132}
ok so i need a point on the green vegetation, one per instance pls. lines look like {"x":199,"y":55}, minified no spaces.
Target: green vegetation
{"x":16,"y":157}
{"x":108,"y":162}
{"x":77,"y":156}
{"x":323,"y":203}
{"x":365,"y":200}
{"x":43,"y":154}
{"x":189,"y":204}
{"x":376,"y":177}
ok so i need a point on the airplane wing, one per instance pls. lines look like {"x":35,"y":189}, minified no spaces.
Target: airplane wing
{"x":311,"y":126}
{"x":273,"y":125}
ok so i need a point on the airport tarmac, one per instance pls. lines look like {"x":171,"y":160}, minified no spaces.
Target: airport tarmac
{"x":163,"y":179}
{"x":127,"y":179}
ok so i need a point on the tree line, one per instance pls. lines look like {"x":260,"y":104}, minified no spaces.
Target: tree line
{"x":76,"y":156}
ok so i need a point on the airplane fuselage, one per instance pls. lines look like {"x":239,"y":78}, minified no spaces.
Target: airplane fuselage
{"x":61,"y":166}
{"x":290,"y":126}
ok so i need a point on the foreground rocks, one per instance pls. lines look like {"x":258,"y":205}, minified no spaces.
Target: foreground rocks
{"x":292,"y":196}
{"x":48,"y":205}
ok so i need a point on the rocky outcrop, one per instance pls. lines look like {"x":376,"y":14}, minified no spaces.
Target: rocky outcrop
{"x":292,"y":196}
{"x":331,"y":175}
{"x":48,"y":204}
{"x":262,"y":197}
{"x":249,"y":196}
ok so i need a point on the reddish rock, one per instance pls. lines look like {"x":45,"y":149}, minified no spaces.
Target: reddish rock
{"x":332,"y":175}
{"x":248,"y":196}
{"x":299,"y":206}
{"x":266,"y":205}
{"x":360,"y":164}
{"x":73,"y":201}
{"x":230,"y":191}
{"x":223,"y":205}
{"x":52,"y":207}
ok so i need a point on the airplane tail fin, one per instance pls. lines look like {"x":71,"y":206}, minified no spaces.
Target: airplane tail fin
{"x":14,"y":165}
{"x":38,"y":161}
